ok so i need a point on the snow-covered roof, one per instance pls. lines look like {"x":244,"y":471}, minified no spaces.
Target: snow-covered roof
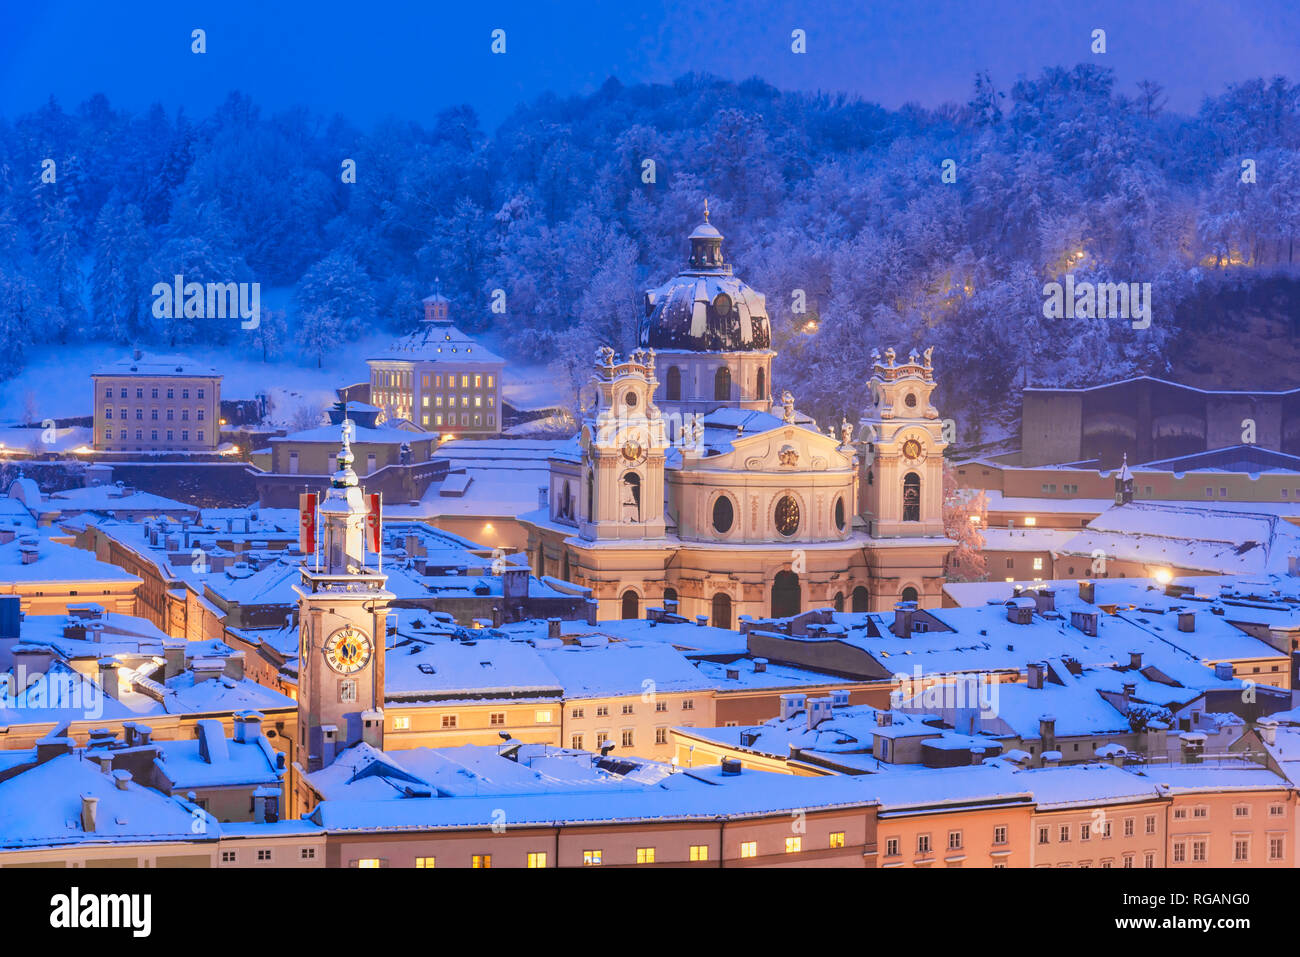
{"x":156,"y":365}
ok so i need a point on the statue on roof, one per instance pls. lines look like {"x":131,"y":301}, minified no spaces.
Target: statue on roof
{"x":787,"y":403}
{"x":929,"y":351}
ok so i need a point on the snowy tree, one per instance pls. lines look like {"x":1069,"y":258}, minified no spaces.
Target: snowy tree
{"x":335,"y":304}
{"x":118,"y":294}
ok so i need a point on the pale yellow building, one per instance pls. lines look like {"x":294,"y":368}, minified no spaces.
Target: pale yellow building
{"x":157,"y":403}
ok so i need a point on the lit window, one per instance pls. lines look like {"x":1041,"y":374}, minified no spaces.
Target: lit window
{"x":793,"y":845}
{"x":645,"y":855}
{"x":482,"y":861}
{"x":1031,"y":520}
{"x":402,"y":723}
{"x":426,"y":861}
{"x":749,"y":849}
{"x":537,"y":859}
{"x":368,"y":862}
{"x":543,"y":717}
{"x":837,"y":839}
{"x":591,"y":858}
{"x":699,"y":852}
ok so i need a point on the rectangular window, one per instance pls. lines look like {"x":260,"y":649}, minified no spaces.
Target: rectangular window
{"x":402,"y":723}
{"x":1198,"y":851}
{"x":227,"y":857}
{"x":1275,"y":848}
{"x":575,"y":742}
{"x":1151,"y":824}
{"x":627,"y":709}
{"x":837,"y":839}
{"x":627,"y":738}
{"x":661,"y":735}
{"x":645,"y":855}
{"x":1180,"y":852}
{"x":542,"y":717}
{"x":602,"y":711}
{"x":449,"y":720}
{"x":537,"y":859}
{"x":591,"y":858}
{"x":308,"y":854}
{"x":688,"y":704}
{"x":1065,"y":833}
{"x":1128,"y":827}
{"x":576,"y":713}
{"x":1241,"y":850}
{"x":891,"y":847}
{"x":497,"y":718}
{"x":999,"y":835}
{"x":1085,"y":832}
{"x":749,"y":849}
{"x":199,"y":393}
{"x":1043,"y":834}
{"x":793,"y":845}
{"x":369,"y":862}
{"x":426,"y":862}
{"x":482,"y":860}
{"x":171,"y":393}
{"x":699,"y":852}
{"x":923,"y":844}
{"x":954,"y":840}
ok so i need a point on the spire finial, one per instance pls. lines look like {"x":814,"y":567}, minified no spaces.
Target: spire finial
{"x":706,"y":209}
{"x":345,"y":477}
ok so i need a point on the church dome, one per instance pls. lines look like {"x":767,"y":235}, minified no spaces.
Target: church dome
{"x":704,"y":308}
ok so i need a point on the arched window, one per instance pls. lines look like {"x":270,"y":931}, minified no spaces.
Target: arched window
{"x":674,"y":385}
{"x":909,"y":594}
{"x":839,"y":514}
{"x":839,"y":601}
{"x":721,"y":610}
{"x":722,"y":385}
{"x":760,"y":386}
{"x":911,"y":497}
{"x":670,"y":594}
{"x":785,"y":595}
{"x":567,"y":569}
{"x":861,"y":599}
{"x":631,"y":605}
{"x":591,"y":497}
{"x":631,"y":497}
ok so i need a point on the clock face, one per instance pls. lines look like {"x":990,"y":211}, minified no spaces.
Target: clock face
{"x":912,"y":449}
{"x":632,"y":450}
{"x":348,"y":650}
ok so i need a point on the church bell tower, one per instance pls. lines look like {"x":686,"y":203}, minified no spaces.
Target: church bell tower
{"x":342,"y":615}
{"x":902,"y":450}
{"x":623,"y":443}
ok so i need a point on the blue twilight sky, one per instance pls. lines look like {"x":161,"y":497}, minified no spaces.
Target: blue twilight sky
{"x":410,"y":59}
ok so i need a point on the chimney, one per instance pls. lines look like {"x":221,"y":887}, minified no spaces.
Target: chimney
{"x":1135,"y":660}
{"x":552,"y":628}
{"x":1187,"y":621}
{"x":28,"y":552}
{"x":122,"y":778}
{"x":1047,"y":732}
{"x":1223,"y":670}
{"x":1035,"y":672}
{"x":89,"y":813}
{"x":592,"y":606}
{"x":108,"y":677}
{"x":976,"y":755}
{"x":1088,"y":592}
{"x":235,"y":666}
{"x":329,"y":740}
{"x":1045,"y":599}
{"x":791,"y":704}
{"x":207,"y":668}
{"x":884,"y":719}
{"x":819,"y":709}
{"x":1126,"y":696}
{"x":1192,"y":747}
{"x":173,"y":660}
{"x":701,"y":620}
{"x":1020,"y":611}
{"x":730,"y":766}
{"x":733,"y":674}
{"x":1085,"y":621}
{"x":904,"y":612}
{"x":760,"y":665}
{"x":248,"y":726}
{"x":1268,"y":730}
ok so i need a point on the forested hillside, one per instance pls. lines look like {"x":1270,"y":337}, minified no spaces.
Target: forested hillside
{"x":840,"y":199}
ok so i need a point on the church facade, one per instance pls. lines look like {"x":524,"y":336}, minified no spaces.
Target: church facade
{"x":687,"y":489}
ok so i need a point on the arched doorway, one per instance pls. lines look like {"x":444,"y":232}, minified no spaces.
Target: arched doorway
{"x":674,"y":384}
{"x":909,"y":594}
{"x":785,"y":595}
{"x":760,"y":385}
{"x":631,"y":605}
{"x":839,"y":601}
{"x":911,"y":497}
{"x":861,"y":599}
{"x":722,"y":385}
{"x":631,"y":497}
{"x":721,"y":611}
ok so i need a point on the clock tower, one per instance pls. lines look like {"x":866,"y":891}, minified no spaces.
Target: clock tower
{"x":623,"y":443}
{"x":342,"y":614}
{"x":902,"y":454}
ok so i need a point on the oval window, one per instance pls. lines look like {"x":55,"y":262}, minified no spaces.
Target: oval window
{"x":629,"y":399}
{"x":723,"y":515}
{"x":910,"y":400}
{"x":787,"y":515}
{"x":839,"y":514}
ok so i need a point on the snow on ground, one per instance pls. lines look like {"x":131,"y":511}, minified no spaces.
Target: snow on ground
{"x":535,"y":387}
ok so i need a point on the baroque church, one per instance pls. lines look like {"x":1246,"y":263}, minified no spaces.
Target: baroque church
{"x":687,"y":489}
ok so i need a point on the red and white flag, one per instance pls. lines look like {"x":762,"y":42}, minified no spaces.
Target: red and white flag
{"x":374,"y":523}
{"x":307,"y":523}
